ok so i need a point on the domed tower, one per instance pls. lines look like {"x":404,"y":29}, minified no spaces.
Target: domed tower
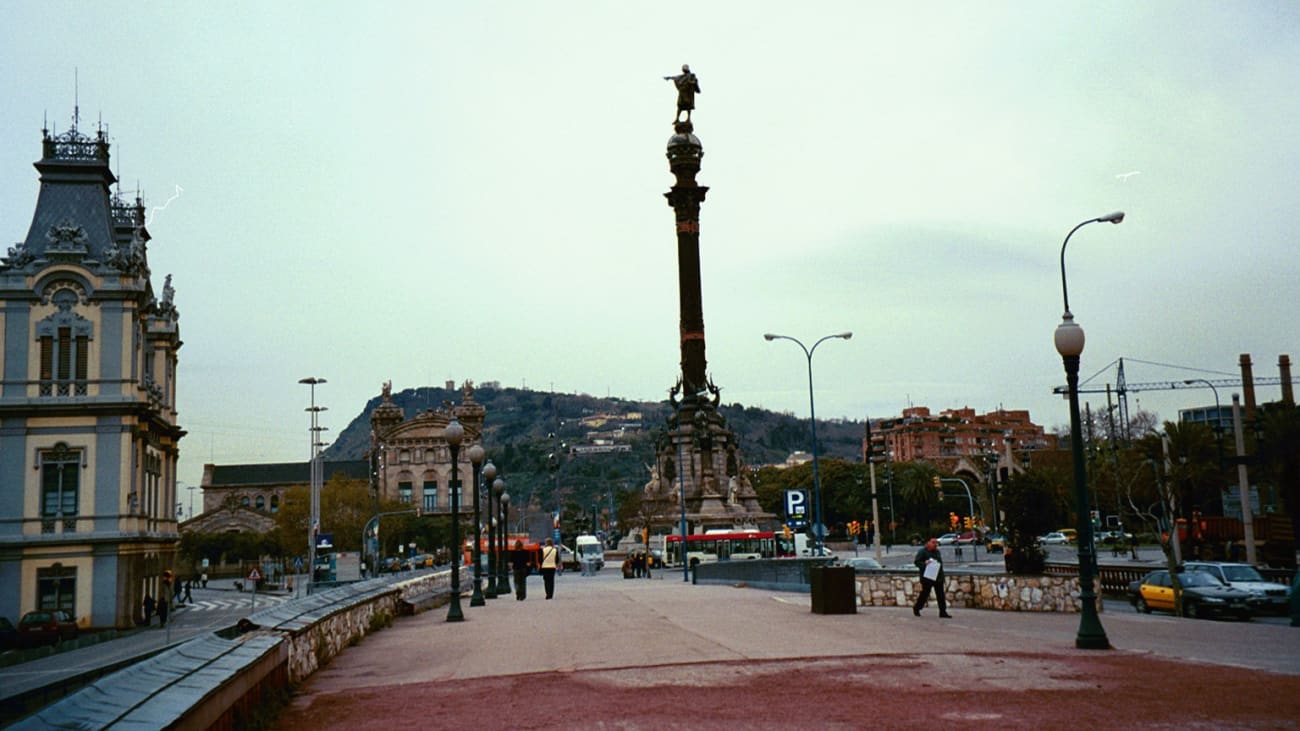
{"x":698,"y":463}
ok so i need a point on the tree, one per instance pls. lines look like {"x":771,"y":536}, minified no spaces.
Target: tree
{"x":1033,"y":503}
{"x":345,"y":507}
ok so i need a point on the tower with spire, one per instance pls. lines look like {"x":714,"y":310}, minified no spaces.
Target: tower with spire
{"x":88,"y":512}
{"x":698,"y":462}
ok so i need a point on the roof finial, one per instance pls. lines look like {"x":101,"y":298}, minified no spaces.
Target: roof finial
{"x":76,"y":97}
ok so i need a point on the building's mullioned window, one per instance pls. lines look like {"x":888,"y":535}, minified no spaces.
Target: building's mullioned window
{"x":60,"y":487}
{"x":56,"y":588}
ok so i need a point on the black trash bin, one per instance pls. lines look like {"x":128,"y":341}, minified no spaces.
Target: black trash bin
{"x":833,"y":590}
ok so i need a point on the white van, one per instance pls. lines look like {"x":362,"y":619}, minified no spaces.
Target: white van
{"x":589,"y":548}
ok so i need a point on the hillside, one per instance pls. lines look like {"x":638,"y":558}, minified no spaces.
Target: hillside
{"x":520,"y":423}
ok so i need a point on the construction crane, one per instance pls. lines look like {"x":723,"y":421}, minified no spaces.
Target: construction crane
{"x":1121,"y":387}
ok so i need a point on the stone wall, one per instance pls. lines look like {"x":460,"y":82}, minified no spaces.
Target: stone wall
{"x":1003,"y":592}
{"x":316,"y":642}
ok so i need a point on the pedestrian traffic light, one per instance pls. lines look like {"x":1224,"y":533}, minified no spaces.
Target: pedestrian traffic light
{"x":938,"y":484}
{"x":966,"y":523}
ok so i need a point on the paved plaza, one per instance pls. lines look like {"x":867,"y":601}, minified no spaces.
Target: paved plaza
{"x":610,"y":653}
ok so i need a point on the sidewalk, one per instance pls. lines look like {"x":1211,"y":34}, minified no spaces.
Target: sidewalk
{"x":664,"y":654}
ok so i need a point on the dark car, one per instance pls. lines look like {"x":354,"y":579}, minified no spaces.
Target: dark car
{"x":46,"y":627}
{"x":8,"y":634}
{"x":1203,"y":595}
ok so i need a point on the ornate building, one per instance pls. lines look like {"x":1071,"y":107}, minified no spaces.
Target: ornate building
{"x":88,"y":432}
{"x":409,"y":462}
{"x":697,"y":457}
{"x":412,"y":461}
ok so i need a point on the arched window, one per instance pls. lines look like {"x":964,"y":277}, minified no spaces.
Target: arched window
{"x":261,"y":503}
{"x":275,"y":503}
{"x":244,"y":501}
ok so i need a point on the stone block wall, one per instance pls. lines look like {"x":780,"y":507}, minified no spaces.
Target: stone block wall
{"x":316,"y":643}
{"x":1005,"y":592}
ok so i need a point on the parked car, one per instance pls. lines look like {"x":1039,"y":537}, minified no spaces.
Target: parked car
{"x":8,"y":634}
{"x":861,"y":563}
{"x":1266,"y":596}
{"x":966,"y":538}
{"x":995,"y":542}
{"x":1071,"y":535}
{"x":1203,"y":595}
{"x":948,"y":539}
{"x":1055,"y":538}
{"x":46,"y":627}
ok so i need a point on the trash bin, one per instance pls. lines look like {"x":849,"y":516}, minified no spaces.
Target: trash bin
{"x":833,"y":590}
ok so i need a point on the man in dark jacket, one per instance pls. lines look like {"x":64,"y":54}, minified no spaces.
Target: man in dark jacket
{"x":930,"y":562}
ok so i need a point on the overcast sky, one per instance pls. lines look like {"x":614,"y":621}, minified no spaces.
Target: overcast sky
{"x":428,"y":191}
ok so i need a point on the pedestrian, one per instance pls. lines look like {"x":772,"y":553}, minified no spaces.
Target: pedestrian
{"x":189,"y":586}
{"x":649,"y":563}
{"x":162,"y":611}
{"x":1133,"y":545}
{"x":523,"y":563}
{"x":550,"y":561}
{"x":204,"y":580}
{"x":638,"y":564}
{"x":149,"y":605}
{"x":930,"y":562}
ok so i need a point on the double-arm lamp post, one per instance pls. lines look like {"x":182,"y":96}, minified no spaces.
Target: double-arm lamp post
{"x":820,"y":528}
{"x":1069,"y":343}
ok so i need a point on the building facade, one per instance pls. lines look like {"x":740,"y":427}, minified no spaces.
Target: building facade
{"x":954,"y":434}
{"x":88,"y":427}
{"x":409,"y":462}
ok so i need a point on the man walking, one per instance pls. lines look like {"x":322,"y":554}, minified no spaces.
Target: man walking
{"x":930,"y":562}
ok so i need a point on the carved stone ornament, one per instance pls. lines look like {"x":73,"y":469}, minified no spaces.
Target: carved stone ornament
{"x":18,"y":257}
{"x":67,"y":238}
{"x":130,"y":259}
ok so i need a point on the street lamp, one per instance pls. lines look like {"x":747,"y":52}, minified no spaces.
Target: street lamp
{"x":820,"y":528}
{"x":476,"y":461}
{"x":313,"y":525}
{"x":490,"y":474}
{"x":503,"y":502}
{"x":1069,"y":343}
{"x":453,"y":434}
{"x":1218,"y":416}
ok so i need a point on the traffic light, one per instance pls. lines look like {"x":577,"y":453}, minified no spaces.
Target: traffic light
{"x":853,"y":528}
{"x":952,"y":520}
{"x":167,"y":577}
{"x":966,"y":522}
{"x":938,"y":484}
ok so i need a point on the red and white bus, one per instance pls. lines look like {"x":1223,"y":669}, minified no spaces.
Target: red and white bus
{"x":720,"y":545}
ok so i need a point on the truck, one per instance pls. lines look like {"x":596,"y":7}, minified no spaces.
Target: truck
{"x":589,"y":548}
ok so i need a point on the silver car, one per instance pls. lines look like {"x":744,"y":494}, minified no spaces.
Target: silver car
{"x":1265,"y":596}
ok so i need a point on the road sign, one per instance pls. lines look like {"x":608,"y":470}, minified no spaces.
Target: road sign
{"x":297,"y":564}
{"x":324,"y":540}
{"x":796,"y":508}
{"x":254,"y":575}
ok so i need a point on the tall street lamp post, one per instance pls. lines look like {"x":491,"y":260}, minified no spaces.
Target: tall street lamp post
{"x":503,"y":502}
{"x":476,"y":461}
{"x":820,"y":528}
{"x":489,"y":475}
{"x":503,"y":565}
{"x":454,"y":433}
{"x":1069,"y":343}
{"x":1218,"y":416}
{"x":313,"y":524}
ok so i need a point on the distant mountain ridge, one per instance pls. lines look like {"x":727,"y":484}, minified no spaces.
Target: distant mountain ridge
{"x":523,"y":428}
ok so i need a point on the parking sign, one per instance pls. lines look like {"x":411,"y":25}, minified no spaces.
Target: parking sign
{"x":796,"y":508}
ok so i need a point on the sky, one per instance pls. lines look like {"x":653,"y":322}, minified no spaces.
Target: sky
{"x":431,"y":191}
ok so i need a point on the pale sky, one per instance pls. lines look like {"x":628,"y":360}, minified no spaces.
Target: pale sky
{"x":427,"y":191}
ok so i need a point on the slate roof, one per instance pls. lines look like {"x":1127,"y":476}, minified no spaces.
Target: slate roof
{"x":285,"y":473}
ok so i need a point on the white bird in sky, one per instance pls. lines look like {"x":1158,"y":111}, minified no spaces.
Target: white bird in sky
{"x":1126,"y":176}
